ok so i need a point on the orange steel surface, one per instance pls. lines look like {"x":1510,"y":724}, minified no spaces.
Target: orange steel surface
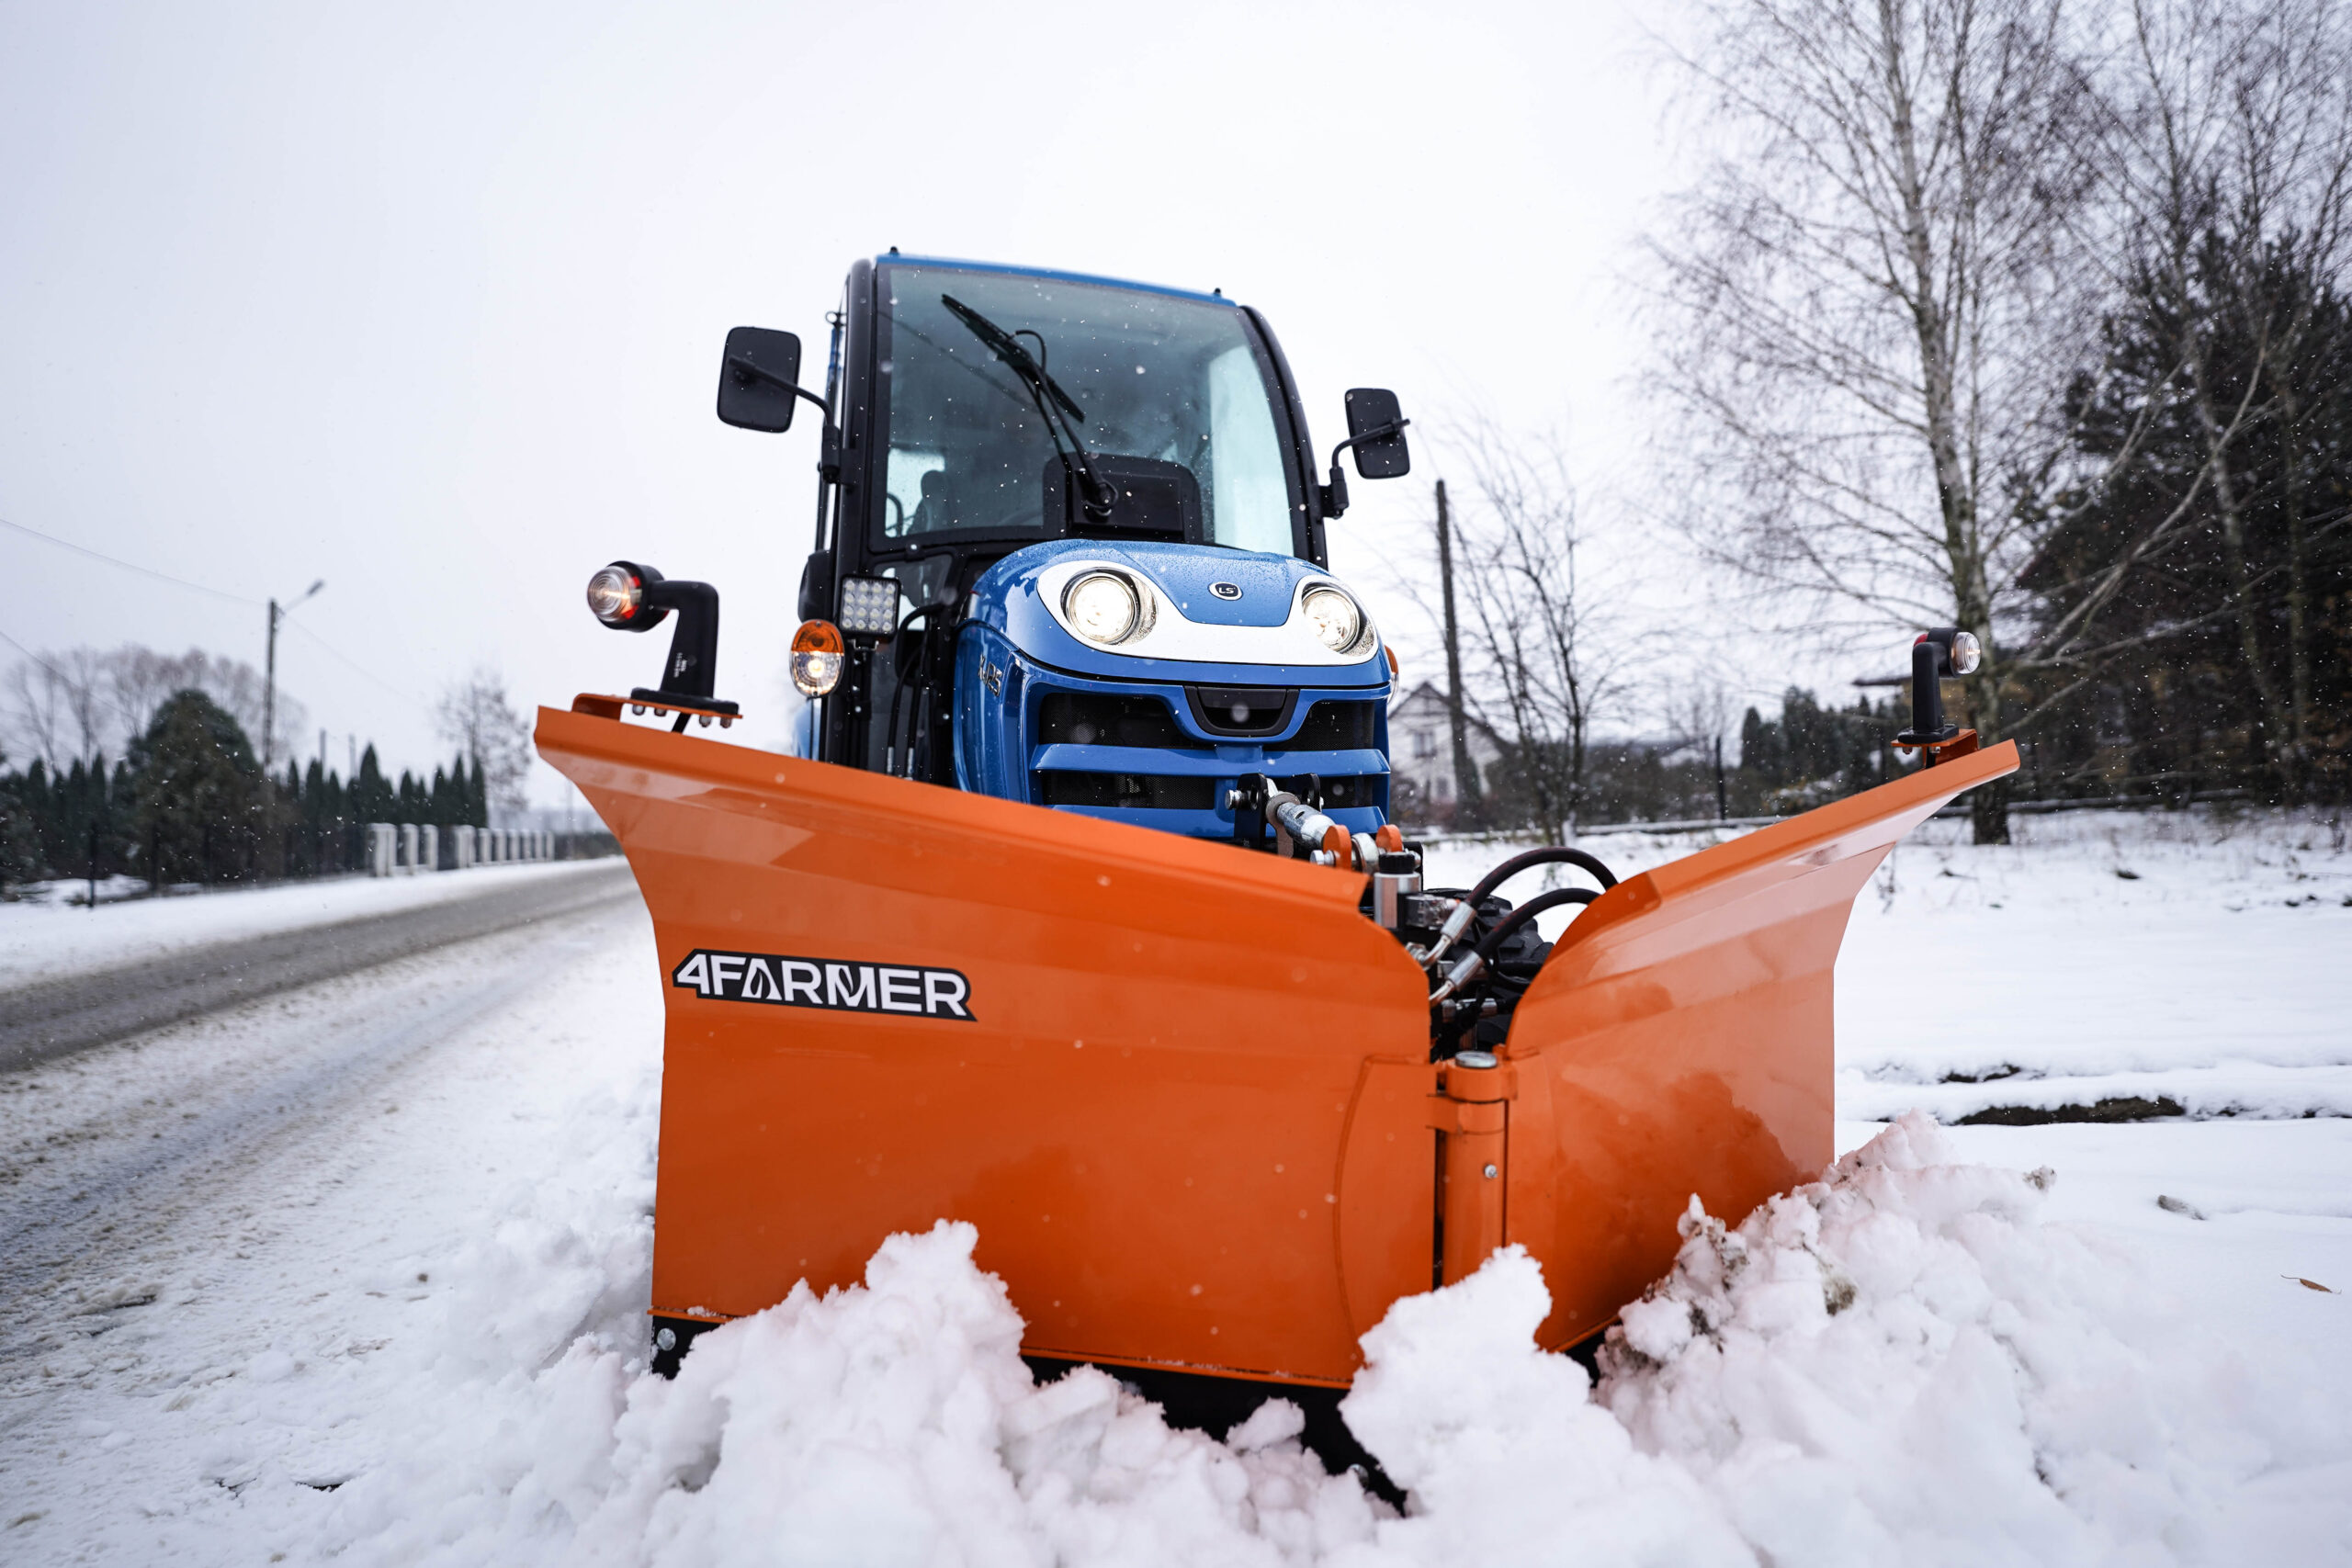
{"x":1191,"y":1114}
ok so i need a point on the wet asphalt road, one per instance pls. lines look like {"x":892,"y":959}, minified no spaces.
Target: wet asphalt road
{"x":48,"y":1021}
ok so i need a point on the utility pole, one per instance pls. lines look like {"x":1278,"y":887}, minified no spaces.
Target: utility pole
{"x":1466,"y":776}
{"x":269,"y":677}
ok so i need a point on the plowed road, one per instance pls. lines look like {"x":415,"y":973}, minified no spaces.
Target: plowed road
{"x":140,"y":1107}
{"x":45,"y":1020}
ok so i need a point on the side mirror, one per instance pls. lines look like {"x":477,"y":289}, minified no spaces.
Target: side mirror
{"x":1377,"y":431}
{"x":759,"y":379}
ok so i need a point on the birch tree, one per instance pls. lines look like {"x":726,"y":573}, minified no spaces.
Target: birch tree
{"x":1871,"y":304}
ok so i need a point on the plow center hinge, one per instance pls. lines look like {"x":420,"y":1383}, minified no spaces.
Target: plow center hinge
{"x":1465,"y":1115}
{"x":1473,"y":1085}
{"x":1472,"y":1109}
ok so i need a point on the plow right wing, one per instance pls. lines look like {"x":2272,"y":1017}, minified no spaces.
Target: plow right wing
{"x":1679,"y":1041}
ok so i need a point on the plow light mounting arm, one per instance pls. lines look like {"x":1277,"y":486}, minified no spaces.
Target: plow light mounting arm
{"x":1937,"y":653}
{"x":630,"y":597}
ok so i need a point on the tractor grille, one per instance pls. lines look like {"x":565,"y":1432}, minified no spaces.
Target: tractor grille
{"x":1339,"y":794}
{"x":1103,"y":718}
{"x":1245,"y":712}
{"x":1129,"y":792}
{"x":1335,"y":727}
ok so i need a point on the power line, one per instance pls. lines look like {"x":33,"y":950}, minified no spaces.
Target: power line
{"x":355,"y":664}
{"x":200,"y":587}
{"x":127,"y":566}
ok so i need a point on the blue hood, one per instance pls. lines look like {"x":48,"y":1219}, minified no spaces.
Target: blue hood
{"x":1007,"y":598}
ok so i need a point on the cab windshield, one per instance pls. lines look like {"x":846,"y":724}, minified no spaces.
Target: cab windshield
{"x":1152,"y":375}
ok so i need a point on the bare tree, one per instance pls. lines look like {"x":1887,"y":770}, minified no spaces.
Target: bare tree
{"x":82,"y":702}
{"x":1871,"y":306}
{"x":1699,"y":716}
{"x":1541,"y":662}
{"x":40,"y":711}
{"x":476,"y":715}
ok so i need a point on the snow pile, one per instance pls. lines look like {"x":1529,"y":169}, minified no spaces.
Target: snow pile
{"x":892,"y":1422}
{"x":1503,"y":1454}
{"x":1895,"y":1364}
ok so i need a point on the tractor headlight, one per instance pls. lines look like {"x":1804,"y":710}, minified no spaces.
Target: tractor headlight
{"x":1966,"y":653}
{"x":817,"y":657}
{"x":1102,"y":607}
{"x":615,"y":595}
{"x":1334,"y":617}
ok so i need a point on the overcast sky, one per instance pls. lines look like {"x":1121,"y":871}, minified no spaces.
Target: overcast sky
{"x":427,"y":301}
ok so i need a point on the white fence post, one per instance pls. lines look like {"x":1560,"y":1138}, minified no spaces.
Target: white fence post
{"x":381,"y":841}
{"x":428,"y":847}
{"x":408,"y":848}
{"x":461,"y":847}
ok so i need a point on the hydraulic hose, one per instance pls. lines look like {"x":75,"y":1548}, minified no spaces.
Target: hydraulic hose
{"x":1542,"y":903}
{"x":1551,"y":854}
{"x":1467,"y":910}
{"x":1475,"y":960}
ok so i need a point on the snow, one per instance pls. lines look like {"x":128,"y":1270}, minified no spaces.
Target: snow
{"x":431,"y":1300}
{"x":2213,"y":974}
{"x":45,"y":939}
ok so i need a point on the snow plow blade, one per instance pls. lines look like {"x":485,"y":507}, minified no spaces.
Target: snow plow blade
{"x":1181,"y":1090}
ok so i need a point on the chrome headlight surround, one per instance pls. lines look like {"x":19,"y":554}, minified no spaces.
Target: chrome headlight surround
{"x":1090,"y":584}
{"x":1344,"y":628}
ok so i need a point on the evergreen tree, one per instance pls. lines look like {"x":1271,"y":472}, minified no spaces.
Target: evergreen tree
{"x":200,"y":802}
{"x":371,"y":796}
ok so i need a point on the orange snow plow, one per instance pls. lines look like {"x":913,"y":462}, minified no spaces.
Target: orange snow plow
{"x":1186,"y":1092}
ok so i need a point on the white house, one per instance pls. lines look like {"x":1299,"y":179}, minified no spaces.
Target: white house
{"x":1420,"y":754}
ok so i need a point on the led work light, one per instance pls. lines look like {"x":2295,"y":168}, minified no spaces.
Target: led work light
{"x":869,"y":607}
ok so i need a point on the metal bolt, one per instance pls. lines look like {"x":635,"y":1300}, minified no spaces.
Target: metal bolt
{"x":1490,"y":1176}
{"x":668,"y":1337}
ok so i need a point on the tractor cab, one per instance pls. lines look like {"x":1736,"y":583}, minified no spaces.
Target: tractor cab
{"x":1070,"y":551}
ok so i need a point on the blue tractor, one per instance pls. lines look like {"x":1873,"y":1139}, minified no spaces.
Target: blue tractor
{"x":1070,"y":551}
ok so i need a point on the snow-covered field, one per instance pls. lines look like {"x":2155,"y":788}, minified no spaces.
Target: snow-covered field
{"x":406,"y":1326}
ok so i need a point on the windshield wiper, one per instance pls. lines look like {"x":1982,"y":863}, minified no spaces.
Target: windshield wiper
{"x":1055,"y":407}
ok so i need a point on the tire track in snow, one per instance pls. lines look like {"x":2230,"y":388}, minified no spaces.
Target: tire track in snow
{"x":108,"y":1153}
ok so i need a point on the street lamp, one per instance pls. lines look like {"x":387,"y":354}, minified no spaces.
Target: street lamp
{"x":270,"y":679}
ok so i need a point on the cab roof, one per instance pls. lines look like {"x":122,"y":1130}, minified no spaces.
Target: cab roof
{"x":894,"y":259}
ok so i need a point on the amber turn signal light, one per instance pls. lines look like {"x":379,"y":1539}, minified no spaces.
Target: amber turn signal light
{"x":817,"y":657}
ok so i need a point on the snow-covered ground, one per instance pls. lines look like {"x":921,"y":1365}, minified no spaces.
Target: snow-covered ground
{"x":407,"y":1326}
{"x":44,"y":939}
